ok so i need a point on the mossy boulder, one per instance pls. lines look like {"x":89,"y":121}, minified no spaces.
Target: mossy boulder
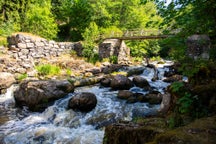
{"x":140,"y":132}
{"x":201,"y":131}
{"x":156,"y":131}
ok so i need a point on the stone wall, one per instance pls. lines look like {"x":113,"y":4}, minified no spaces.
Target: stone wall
{"x":26,"y":47}
{"x":198,"y":46}
{"x":114,"y":47}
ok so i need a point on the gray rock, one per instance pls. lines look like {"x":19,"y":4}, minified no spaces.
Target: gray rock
{"x":124,"y":94}
{"x":141,"y":82}
{"x":21,"y":45}
{"x":6,"y":80}
{"x":84,"y":102}
{"x":37,"y":94}
{"x":121,"y":82}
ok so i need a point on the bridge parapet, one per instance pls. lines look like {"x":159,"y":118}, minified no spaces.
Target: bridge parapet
{"x":133,"y":33}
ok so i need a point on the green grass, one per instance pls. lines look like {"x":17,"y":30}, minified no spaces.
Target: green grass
{"x":48,"y":70}
{"x":22,"y":77}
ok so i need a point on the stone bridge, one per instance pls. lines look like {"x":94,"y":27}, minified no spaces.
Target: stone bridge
{"x":114,"y":45}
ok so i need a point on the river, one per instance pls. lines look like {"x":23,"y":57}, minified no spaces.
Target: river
{"x":59,"y":125}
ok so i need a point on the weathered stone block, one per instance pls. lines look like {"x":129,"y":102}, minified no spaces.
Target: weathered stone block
{"x":24,"y":51}
{"x":30,"y":45}
{"x":198,"y":46}
{"x":39,"y":44}
{"x":21,"y":45}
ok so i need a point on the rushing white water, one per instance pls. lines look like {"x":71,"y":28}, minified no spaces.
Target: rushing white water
{"x":59,"y":125}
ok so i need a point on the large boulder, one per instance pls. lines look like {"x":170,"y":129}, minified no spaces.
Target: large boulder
{"x":121,"y":82}
{"x":84,"y":102}
{"x":141,"y":82}
{"x":37,"y":94}
{"x":6,"y":80}
{"x":155,"y":131}
{"x":130,"y":133}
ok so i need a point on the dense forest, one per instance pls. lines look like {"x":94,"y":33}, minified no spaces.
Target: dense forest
{"x":87,"y":20}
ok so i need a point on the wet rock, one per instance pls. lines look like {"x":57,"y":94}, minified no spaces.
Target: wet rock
{"x":105,"y":82}
{"x":140,"y":97}
{"x":121,"y":82}
{"x":141,"y":82}
{"x":152,"y":98}
{"x":37,"y":94}
{"x":131,"y":100}
{"x":144,"y":112}
{"x":102,"y":119}
{"x":128,"y":133}
{"x":6,"y":80}
{"x":173,"y":78}
{"x":84,"y":102}
{"x":124,"y":94}
{"x":135,"y":71}
{"x":110,"y":68}
{"x":165,"y":104}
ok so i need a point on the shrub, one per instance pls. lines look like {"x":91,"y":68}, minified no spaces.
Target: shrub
{"x":113,"y":59}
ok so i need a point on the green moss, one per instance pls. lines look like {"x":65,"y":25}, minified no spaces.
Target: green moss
{"x":201,"y":131}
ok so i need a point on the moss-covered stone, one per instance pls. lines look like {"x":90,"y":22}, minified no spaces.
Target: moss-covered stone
{"x":155,"y":131}
{"x":201,"y":131}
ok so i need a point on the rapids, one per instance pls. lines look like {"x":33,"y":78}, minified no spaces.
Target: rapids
{"x":59,"y":125}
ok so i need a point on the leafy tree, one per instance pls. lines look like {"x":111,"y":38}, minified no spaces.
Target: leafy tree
{"x":12,"y":14}
{"x":188,"y":17}
{"x":90,"y":36}
{"x":73,"y":16}
{"x":39,"y":20}
{"x":29,"y":16}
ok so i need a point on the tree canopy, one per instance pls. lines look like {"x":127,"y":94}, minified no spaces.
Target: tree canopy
{"x":72,"y":20}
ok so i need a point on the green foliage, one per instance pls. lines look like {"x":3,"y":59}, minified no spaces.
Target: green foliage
{"x":176,"y":86}
{"x":189,"y":16}
{"x":48,"y":69}
{"x":3,"y":41}
{"x":73,"y":53}
{"x":185,"y":100}
{"x":39,"y":20}
{"x":6,"y":28}
{"x":91,"y":33}
{"x":144,"y":47}
{"x":185,"y":103}
{"x":22,"y":77}
{"x":68,"y":72}
{"x":191,"y":67}
{"x":90,"y":36}
{"x":173,"y":47}
{"x":110,"y":32}
{"x":113,"y":59}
